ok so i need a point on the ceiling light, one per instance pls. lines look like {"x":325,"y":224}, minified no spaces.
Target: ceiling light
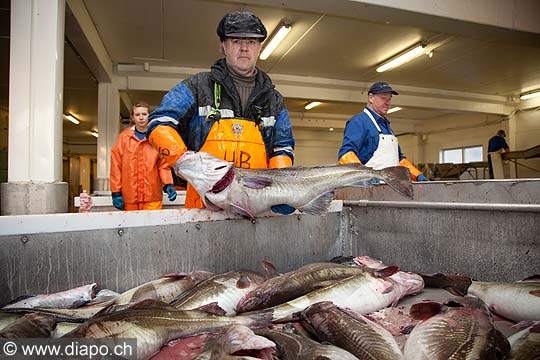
{"x":312,"y":104}
{"x":94,"y":133}
{"x":394,"y":109}
{"x":273,"y":42}
{"x":331,"y":129}
{"x":72,"y":118}
{"x":530,"y":94}
{"x":407,"y":56}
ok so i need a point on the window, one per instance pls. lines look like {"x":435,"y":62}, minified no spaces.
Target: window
{"x":461,"y":155}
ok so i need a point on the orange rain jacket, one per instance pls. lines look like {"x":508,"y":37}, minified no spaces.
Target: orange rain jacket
{"x":137,"y":170}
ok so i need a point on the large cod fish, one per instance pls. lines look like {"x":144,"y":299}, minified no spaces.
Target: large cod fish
{"x":458,"y":329}
{"x":251,"y":193}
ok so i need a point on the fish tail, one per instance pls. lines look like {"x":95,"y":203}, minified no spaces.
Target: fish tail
{"x":257,"y":319}
{"x":398,"y":178}
{"x":455,"y":284}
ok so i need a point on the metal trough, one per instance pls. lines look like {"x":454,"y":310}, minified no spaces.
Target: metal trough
{"x":485,"y":237}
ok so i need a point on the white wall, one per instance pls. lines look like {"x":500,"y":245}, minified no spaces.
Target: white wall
{"x":316,"y":147}
{"x":525,"y":130}
{"x":459,"y":131}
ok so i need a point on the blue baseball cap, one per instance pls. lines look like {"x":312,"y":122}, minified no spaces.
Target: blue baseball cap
{"x":381,"y":87}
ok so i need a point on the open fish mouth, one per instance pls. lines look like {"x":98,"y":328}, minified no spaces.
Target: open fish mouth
{"x":224,"y":182}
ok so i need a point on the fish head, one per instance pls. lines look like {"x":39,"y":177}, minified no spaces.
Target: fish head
{"x":205,"y":172}
{"x":411,"y":283}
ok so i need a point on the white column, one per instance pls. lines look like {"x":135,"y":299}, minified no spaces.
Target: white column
{"x":108,"y":127}
{"x":35,"y":108}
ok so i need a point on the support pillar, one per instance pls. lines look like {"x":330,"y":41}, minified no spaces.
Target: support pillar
{"x":35,"y":110}
{"x":108,"y":127}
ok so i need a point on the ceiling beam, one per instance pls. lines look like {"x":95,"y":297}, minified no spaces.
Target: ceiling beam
{"x":83,"y":36}
{"x":161,"y":78}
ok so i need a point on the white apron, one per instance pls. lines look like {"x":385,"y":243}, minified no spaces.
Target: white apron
{"x":387,"y":153}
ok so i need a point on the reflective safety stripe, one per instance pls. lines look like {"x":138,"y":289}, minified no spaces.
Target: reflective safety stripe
{"x":225,"y":113}
{"x":164,"y":119}
{"x":235,"y":140}
{"x":268,"y":120}
{"x":287,"y":149}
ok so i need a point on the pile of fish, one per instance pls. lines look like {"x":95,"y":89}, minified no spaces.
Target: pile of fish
{"x":361,"y":309}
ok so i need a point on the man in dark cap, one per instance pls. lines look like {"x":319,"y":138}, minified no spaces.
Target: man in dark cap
{"x":495,"y":147}
{"x":368,"y":138}
{"x":232,"y":112}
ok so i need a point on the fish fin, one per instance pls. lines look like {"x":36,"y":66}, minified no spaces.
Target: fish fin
{"x":385,"y":272}
{"x":244,"y":282}
{"x":362,"y":183}
{"x":534,"y":278}
{"x":323,"y":284}
{"x":319,"y":205}
{"x":425,"y":310}
{"x":213,"y":308}
{"x":398,"y":178}
{"x":455,"y":284}
{"x":269,"y":268}
{"x":146,"y":291}
{"x":256,"y":182}
{"x":535,"y":293}
{"x":258,"y":319}
{"x":181,"y":275}
{"x":241,"y":211}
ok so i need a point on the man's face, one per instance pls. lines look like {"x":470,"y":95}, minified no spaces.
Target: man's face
{"x":140,"y":117}
{"x":380,"y":103}
{"x":241,"y":54}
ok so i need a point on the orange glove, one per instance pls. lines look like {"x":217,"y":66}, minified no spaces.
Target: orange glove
{"x":280,"y":161}
{"x":349,"y":158}
{"x":412,"y":169}
{"x":168,"y":142}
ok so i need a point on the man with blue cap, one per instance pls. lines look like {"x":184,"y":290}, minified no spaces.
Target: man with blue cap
{"x":368,"y":138}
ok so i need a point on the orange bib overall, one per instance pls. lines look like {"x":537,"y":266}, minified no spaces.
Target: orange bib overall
{"x":235,"y":140}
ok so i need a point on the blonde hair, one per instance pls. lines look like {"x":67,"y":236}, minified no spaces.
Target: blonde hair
{"x":140,"y":104}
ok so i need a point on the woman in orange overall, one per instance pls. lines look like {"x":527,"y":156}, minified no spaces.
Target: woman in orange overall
{"x":137,"y":169}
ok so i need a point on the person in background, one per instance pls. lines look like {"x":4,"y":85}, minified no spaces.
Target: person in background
{"x":138,"y":172}
{"x":232,"y":112}
{"x":368,"y":138}
{"x":495,"y":146}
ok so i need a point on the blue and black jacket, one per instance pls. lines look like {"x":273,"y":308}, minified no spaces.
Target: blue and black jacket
{"x":186,"y":106}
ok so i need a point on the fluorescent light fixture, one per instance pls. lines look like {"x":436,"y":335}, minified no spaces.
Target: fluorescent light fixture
{"x":95,"y":133}
{"x":394,"y":109}
{"x":407,"y":56}
{"x":331,"y":129}
{"x":312,"y":104}
{"x":530,"y":94}
{"x":72,"y":118}
{"x":275,"y":40}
